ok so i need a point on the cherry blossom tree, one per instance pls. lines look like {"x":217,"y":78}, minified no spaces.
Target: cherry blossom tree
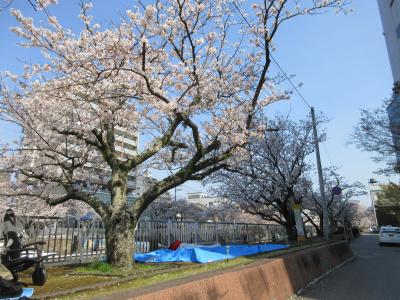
{"x":36,"y":4}
{"x":190,"y":77}
{"x":376,"y":134}
{"x":271,"y":180}
{"x":339,"y":206}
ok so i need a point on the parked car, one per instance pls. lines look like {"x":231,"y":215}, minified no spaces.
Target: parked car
{"x":389,"y":235}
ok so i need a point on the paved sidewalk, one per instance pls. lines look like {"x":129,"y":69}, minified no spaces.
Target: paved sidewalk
{"x":373,"y":275}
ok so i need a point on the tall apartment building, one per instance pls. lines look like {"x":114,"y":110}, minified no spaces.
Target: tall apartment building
{"x":126,"y":144}
{"x":390,"y":17}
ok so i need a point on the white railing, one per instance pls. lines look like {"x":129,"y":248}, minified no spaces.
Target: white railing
{"x":84,"y":240}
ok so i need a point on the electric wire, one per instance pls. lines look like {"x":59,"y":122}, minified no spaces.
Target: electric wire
{"x":275,"y":61}
{"x":285,"y":76}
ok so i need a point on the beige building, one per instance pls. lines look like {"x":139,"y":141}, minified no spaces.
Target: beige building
{"x":204,"y":200}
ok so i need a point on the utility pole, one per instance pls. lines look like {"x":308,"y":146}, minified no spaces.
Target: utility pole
{"x":320,"y":177}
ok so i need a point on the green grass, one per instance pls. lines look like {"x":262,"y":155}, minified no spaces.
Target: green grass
{"x":100,"y":267}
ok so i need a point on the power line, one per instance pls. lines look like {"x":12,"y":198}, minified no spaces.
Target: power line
{"x":288,"y":79}
{"x":275,"y":61}
{"x":327,"y":154}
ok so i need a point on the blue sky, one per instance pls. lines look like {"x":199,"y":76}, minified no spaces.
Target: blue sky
{"x":341,"y":60}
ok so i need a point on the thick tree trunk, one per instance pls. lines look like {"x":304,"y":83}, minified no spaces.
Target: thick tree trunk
{"x":291,"y":231}
{"x":120,"y":225}
{"x":321,"y":224}
{"x":120,"y":241}
{"x":290,"y":224}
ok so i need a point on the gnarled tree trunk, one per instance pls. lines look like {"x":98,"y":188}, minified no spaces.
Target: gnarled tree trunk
{"x":119,"y":231}
{"x":120,"y":225}
{"x":291,"y":231}
{"x":290,"y":224}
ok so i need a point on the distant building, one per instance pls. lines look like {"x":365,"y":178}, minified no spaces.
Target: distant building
{"x":143,"y":182}
{"x":204,"y":200}
{"x":390,"y":17}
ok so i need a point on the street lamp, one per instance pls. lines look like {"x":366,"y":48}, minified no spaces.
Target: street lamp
{"x":371,"y":182}
{"x":176,"y":190}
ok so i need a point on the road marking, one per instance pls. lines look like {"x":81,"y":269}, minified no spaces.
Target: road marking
{"x":325,"y":274}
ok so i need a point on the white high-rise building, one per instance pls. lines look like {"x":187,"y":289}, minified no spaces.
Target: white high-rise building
{"x":126,"y":145}
{"x":390,"y":17}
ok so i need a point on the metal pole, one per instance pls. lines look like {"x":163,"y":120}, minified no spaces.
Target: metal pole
{"x":320,"y":177}
{"x":371,"y":182}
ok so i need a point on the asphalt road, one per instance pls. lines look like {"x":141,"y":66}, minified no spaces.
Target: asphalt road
{"x":374,"y":274}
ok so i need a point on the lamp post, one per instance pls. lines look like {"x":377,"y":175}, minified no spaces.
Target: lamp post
{"x":176,"y":190}
{"x":179,"y":218}
{"x":371,"y":182}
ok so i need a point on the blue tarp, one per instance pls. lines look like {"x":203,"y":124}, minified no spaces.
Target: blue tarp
{"x":26,"y":293}
{"x":88,"y":216}
{"x":205,"y":254}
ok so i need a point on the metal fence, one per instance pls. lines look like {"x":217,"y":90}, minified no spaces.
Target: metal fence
{"x":75,"y":240}
{"x":66,"y":240}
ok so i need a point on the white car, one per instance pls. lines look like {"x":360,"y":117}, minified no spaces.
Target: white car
{"x":389,"y":235}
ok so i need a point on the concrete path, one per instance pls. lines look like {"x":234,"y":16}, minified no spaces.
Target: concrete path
{"x":373,"y":275}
